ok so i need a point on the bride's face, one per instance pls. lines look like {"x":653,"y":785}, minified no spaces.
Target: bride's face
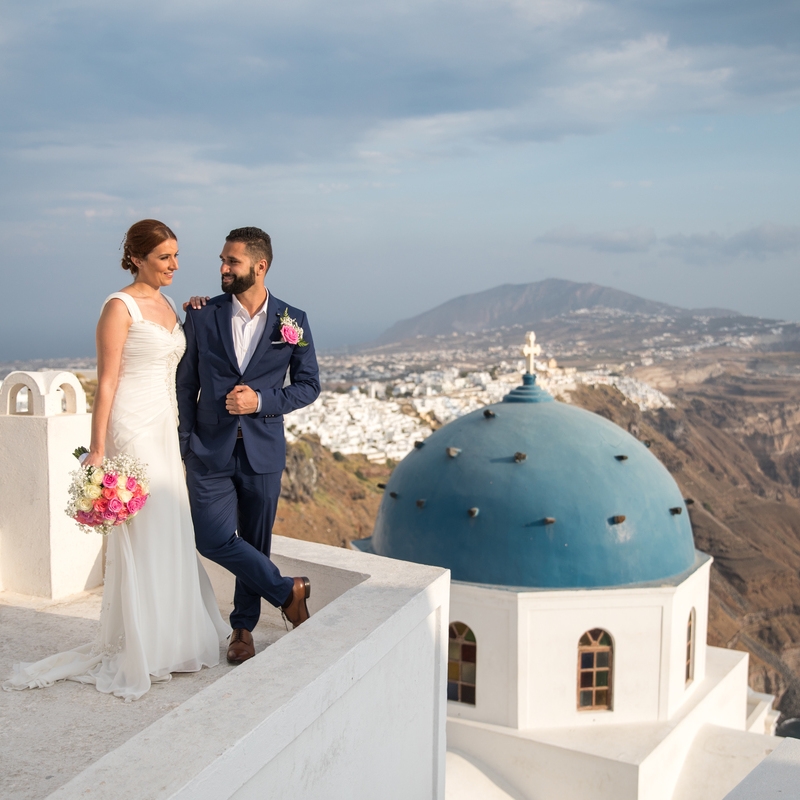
{"x":159,"y":265}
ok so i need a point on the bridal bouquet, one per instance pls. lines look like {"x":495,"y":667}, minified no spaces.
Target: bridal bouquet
{"x":101,"y":498}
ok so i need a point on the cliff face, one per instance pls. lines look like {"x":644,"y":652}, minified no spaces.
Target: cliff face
{"x":327,"y":497}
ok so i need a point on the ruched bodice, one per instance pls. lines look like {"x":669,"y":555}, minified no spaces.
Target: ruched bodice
{"x":146,"y":387}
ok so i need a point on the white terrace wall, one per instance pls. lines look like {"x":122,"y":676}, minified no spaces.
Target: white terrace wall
{"x":777,"y":777}
{"x":42,"y":551}
{"x":350,"y":705}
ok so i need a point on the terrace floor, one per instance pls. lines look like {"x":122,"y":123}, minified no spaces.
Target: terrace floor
{"x":47,"y":736}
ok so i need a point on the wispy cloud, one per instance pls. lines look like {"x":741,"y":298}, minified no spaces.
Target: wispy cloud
{"x":759,"y":242}
{"x":633,"y":240}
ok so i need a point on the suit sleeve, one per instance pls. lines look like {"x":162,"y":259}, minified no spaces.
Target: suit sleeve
{"x":187,"y":385}
{"x":304,"y":385}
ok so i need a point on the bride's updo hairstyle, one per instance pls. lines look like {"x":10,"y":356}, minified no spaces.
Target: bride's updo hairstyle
{"x":141,"y":239}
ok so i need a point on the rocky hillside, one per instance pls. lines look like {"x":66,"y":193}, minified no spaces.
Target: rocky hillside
{"x":526,"y":304}
{"x":327,"y":497}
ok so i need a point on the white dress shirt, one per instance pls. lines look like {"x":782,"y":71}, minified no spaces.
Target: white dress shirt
{"x":247,"y":332}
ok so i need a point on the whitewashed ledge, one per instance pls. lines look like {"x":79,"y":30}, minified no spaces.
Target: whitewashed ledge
{"x":777,"y":777}
{"x":350,"y":705}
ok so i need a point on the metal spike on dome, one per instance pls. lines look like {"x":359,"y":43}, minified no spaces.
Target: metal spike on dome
{"x":688,"y":501}
{"x":488,"y":413}
{"x":676,"y":510}
{"x":453,"y":451}
{"x":420,"y":504}
{"x":520,"y":457}
{"x":393,"y":495}
{"x":647,"y":443}
{"x":549,"y":520}
{"x":381,"y":485}
{"x":419,"y":444}
{"x":618,"y":519}
{"x":473,"y":512}
{"x":621,"y":458}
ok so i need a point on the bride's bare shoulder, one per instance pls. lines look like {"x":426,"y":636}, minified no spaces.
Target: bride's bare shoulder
{"x":116,"y":310}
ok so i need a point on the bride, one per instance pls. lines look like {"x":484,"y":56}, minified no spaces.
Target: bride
{"x":159,"y":613}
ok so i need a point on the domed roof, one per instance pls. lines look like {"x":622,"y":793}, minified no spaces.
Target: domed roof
{"x":534,"y":493}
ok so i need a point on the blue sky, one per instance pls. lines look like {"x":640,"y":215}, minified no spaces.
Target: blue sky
{"x":400,"y":153}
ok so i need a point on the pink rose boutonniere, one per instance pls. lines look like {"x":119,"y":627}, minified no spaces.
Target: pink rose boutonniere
{"x":291,"y":332}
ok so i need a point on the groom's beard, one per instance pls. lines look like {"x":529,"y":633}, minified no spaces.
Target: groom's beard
{"x":239,"y":284}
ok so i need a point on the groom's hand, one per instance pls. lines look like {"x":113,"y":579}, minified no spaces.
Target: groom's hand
{"x":195,"y":301}
{"x":241,"y":400}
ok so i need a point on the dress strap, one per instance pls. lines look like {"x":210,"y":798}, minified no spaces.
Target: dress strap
{"x":133,"y":308}
{"x":174,"y":307}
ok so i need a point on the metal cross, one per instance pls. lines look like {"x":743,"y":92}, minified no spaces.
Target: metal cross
{"x":530,"y":350}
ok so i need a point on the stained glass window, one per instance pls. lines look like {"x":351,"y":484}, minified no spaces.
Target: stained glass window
{"x":595,"y":664}
{"x":690,"y":626}
{"x":462,"y":659}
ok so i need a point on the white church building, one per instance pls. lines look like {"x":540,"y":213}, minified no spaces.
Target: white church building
{"x":578,"y":665}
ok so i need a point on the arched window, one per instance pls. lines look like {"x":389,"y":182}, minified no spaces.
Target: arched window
{"x":461,"y":664}
{"x":595,"y":665}
{"x":690,"y":632}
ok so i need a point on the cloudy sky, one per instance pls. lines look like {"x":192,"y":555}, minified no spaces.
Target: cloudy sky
{"x":400,"y":152}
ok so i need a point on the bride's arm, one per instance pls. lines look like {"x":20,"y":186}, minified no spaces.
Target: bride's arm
{"x":112,"y":331}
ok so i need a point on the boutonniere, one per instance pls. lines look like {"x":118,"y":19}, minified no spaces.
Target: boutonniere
{"x":291,"y":332}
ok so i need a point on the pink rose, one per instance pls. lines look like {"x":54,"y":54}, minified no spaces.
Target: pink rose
{"x":84,"y":517}
{"x":100,"y":505}
{"x":135,"y":504}
{"x":109,"y":494}
{"x":123,"y":515}
{"x":109,"y":516}
{"x":130,"y":484}
{"x":289,"y":334}
{"x":110,"y":480}
{"x":115,"y":505}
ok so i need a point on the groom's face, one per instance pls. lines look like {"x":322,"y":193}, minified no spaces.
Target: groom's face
{"x":237,"y":269}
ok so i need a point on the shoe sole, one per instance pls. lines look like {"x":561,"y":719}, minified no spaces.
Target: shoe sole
{"x":235,"y":661}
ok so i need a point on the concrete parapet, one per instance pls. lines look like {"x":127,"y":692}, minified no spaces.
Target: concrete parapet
{"x":42,"y":551}
{"x":351,"y":704}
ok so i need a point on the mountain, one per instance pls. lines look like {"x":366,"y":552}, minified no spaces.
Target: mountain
{"x":527,"y":304}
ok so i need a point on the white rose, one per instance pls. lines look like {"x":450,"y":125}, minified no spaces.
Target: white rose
{"x":97,"y":477}
{"x":91,"y":491}
{"x":85,"y":504}
{"x":124,"y":495}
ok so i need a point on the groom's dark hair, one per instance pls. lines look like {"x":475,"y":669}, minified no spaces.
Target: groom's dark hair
{"x":258,"y":243}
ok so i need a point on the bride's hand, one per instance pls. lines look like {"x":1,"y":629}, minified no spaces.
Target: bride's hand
{"x":196,"y":301}
{"x":93,"y":460}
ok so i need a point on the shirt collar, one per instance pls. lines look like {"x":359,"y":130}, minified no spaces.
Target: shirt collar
{"x":240,"y":311}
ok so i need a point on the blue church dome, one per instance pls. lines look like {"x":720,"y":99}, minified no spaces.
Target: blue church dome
{"x":530,"y":492}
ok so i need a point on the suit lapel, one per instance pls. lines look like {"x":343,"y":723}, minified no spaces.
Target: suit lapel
{"x":270,"y":335}
{"x":224,"y":316}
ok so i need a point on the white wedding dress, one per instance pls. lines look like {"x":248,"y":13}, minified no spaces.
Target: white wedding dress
{"x":159,"y":613}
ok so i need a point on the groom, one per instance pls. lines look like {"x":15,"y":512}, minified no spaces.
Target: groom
{"x":232,"y":398}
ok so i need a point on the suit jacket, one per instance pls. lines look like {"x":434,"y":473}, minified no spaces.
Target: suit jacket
{"x":208,"y":371}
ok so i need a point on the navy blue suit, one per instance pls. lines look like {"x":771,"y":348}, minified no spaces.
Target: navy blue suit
{"x":234,"y":483}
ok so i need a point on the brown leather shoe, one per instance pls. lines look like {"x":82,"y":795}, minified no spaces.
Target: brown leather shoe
{"x":241,"y":647}
{"x":295,"y":608}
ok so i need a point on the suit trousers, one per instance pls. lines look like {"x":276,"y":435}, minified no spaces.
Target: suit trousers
{"x":238,"y":500}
